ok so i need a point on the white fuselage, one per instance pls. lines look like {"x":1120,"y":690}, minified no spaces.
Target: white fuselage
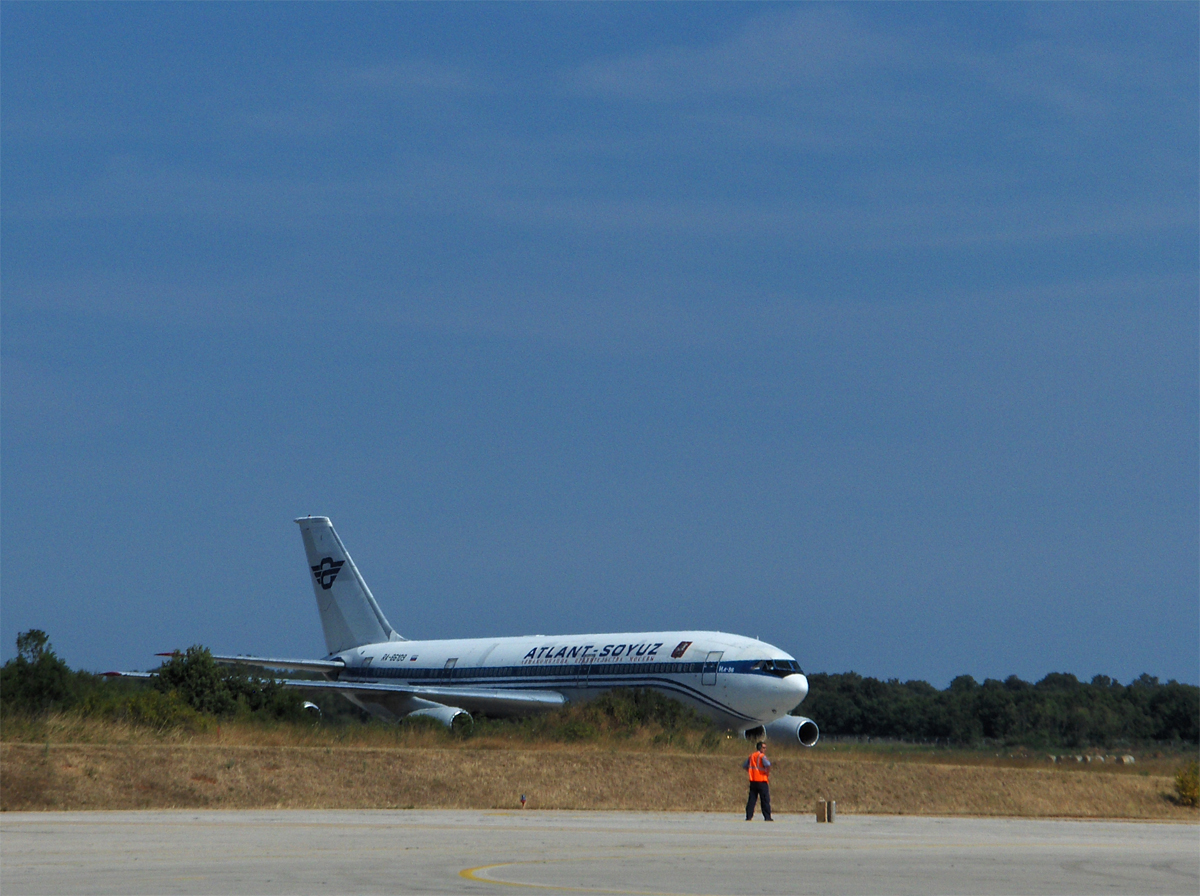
{"x":739,"y":682}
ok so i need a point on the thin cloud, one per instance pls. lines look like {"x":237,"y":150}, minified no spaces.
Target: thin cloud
{"x":898,"y":210}
{"x":137,"y":190}
{"x":831,"y":61}
{"x":769,"y":55}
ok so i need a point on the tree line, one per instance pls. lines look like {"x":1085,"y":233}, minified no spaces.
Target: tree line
{"x":190,"y":690}
{"x":1060,"y":710}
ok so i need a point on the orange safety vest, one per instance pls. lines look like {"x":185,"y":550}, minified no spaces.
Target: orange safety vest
{"x":757,"y":771}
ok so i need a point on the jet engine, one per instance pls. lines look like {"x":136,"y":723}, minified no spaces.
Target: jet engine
{"x":794,"y":728}
{"x":450,"y":716}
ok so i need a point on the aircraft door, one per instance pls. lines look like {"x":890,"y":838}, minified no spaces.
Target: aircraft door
{"x":585,"y":670}
{"x":708,"y":674}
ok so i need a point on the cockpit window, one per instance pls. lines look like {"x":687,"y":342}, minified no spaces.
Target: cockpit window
{"x":781,"y":668}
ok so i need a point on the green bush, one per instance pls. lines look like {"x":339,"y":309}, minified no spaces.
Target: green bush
{"x":618,"y":713}
{"x":576,"y":730}
{"x":1187,"y":784}
{"x":223,"y":691}
{"x":626,"y":710}
{"x":198,"y":680}
{"x":163,"y":712}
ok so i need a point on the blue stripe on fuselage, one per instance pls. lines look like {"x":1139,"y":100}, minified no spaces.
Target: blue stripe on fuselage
{"x":596,"y":676}
{"x":486,"y":674}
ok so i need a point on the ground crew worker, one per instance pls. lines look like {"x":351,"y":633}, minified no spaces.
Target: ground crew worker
{"x":759,"y":767}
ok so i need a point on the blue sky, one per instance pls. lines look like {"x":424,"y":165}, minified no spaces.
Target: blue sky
{"x":870,"y":330}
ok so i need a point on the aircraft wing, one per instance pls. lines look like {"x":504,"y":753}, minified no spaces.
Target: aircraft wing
{"x":257,"y":662}
{"x":490,"y":701}
{"x":402,"y":698}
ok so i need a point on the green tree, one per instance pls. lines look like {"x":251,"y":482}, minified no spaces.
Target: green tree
{"x":32,"y":644}
{"x":36,"y":680}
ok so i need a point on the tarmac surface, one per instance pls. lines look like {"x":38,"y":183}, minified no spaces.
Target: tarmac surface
{"x":269,"y":852}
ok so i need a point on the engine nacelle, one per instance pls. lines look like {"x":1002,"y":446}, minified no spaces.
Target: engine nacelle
{"x":450,"y":716}
{"x":794,"y":728}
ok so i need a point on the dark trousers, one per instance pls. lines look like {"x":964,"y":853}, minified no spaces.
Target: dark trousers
{"x":757,"y":789}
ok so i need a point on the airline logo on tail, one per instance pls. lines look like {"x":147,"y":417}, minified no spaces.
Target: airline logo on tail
{"x":326,"y":571}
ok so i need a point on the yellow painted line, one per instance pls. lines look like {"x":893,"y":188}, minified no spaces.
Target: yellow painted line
{"x":479,"y":874}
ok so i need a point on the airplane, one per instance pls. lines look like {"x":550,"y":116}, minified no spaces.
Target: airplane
{"x":741,"y":683}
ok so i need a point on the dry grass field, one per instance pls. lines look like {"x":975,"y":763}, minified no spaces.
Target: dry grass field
{"x":77,"y":764}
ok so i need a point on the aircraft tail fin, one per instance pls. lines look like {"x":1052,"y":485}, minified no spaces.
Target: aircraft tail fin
{"x":349,"y":614}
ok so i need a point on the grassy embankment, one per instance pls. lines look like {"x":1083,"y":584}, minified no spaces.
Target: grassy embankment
{"x":73,"y":762}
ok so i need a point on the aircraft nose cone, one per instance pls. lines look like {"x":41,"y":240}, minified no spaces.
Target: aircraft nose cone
{"x":799,"y":683}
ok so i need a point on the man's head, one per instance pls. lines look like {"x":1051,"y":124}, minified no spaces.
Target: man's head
{"x":760,"y":746}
